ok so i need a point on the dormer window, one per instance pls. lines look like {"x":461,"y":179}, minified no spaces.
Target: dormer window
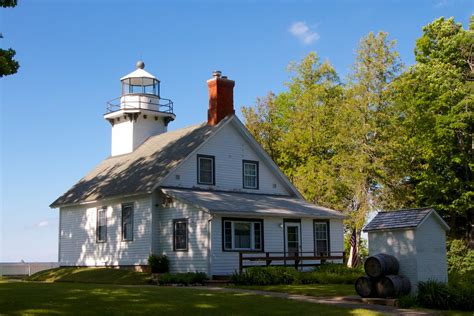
{"x":250,"y":174}
{"x":206,"y":170}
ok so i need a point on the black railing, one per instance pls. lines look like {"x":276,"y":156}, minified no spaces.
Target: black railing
{"x":293,"y":259}
{"x":162,"y":104}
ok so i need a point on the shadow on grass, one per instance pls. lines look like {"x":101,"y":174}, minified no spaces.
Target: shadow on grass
{"x":91,"y":275}
{"x":60,"y":298}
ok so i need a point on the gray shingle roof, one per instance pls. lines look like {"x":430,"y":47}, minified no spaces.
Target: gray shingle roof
{"x":245,"y":204}
{"x":140,"y":170}
{"x":398,"y":219}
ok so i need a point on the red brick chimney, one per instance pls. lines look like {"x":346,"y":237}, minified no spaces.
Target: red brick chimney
{"x":221,"y":98}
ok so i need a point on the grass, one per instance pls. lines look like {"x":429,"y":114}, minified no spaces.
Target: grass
{"x":91,"y":275}
{"x":19,"y":298}
{"x":306,"y":289}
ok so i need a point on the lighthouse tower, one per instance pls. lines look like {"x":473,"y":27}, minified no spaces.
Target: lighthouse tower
{"x":140,"y":112}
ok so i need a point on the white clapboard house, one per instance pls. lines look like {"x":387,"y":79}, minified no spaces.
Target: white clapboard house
{"x":201,"y":195}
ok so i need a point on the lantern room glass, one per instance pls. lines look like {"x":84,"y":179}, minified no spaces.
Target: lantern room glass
{"x":141,"y":86}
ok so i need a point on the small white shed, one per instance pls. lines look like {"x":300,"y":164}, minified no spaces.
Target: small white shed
{"x":416,"y":237}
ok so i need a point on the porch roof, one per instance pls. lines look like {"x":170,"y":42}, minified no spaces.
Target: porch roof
{"x":247,"y":204}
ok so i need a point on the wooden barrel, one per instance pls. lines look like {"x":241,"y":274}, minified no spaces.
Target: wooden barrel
{"x":392,"y":286}
{"x":381,"y":264}
{"x":365,"y":286}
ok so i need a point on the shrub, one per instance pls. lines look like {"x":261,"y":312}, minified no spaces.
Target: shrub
{"x":406,"y":301}
{"x":187,"y":278}
{"x":460,"y":257}
{"x":434,"y":294}
{"x":325,"y":274}
{"x":331,"y":273}
{"x":159,"y":264}
{"x":266,"y":276}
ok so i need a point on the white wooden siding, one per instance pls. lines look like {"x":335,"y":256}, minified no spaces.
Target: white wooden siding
{"x":196,"y":258}
{"x":399,"y":243}
{"x":77,"y":235}
{"x":431,"y":250}
{"x":229,"y":149}
{"x":227,"y":262}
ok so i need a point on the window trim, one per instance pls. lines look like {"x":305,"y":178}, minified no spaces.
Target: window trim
{"x":213,"y":159}
{"x":98,"y":210}
{"x":124,"y":205}
{"x":328,"y":232}
{"x":257,"y":175}
{"x":238,"y":219}
{"x":180,"y":220}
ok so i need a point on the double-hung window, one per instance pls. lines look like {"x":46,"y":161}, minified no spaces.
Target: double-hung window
{"x":321,"y":237}
{"x":180,"y":235}
{"x":250,"y":174}
{"x":127,"y":221}
{"x":206,"y":170}
{"x":101,"y":224}
{"x":243,"y":234}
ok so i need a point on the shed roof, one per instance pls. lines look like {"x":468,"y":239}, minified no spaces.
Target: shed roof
{"x":406,"y":218}
{"x":248,"y":204}
{"x":140,"y":170}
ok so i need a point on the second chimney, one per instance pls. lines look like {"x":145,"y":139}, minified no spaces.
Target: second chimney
{"x":221,"y":98}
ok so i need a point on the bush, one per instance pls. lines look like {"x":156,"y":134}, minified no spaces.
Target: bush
{"x":406,"y":301}
{"x":187,"y":278}
{"x":331,"y":273}
{"x":266,"y":276}
{"x":434,"y":294}
{"x":325,"y":274}
{"x":159,"y":264}
{"x":460,"y":257}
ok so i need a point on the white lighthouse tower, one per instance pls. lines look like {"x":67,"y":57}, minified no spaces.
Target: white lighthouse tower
{"x":139,"y":112}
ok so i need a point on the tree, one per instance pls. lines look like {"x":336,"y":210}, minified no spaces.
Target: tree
{"x":432,"y":153}
{"x":369,"y":96}
{"x":8,"y":65}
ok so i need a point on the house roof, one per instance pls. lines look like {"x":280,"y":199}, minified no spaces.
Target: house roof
{"x":140,"y":170}
{"x":406,"y":218}
{"x":247,"y":204}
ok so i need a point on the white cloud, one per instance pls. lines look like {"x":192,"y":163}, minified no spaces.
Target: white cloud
{"x":42,"y":224}
{"x":302,"y":31}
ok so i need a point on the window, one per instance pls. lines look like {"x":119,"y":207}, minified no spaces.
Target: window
{"x":102,"y":224}
{"x":206,"y":170}
{"x":127,"y":221}
{"x":242,"y":234}
{"x":250,"y":174}
{"x":180,"y":235}
{"x":321,"y":237}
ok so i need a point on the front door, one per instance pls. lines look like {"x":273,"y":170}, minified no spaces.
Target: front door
{"x":292,"y":237}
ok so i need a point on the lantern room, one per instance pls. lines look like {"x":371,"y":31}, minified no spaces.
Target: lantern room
{"x":140,"y":81}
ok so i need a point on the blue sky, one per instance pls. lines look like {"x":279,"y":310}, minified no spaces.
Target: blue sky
{"x":72,"y":54}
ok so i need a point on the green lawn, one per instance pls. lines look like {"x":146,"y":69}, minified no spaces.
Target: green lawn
{"x":306,"y":289}
{"x":91,"y":275}
{"x":67,"y":298}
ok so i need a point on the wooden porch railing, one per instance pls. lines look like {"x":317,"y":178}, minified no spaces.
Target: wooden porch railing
{"x":295,"y":259}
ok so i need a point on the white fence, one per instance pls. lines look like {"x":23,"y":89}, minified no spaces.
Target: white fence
{"x":26,"y":268}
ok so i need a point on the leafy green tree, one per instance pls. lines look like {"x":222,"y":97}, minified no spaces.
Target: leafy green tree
{"x":432,"y":146}
{"x":8,"y":65}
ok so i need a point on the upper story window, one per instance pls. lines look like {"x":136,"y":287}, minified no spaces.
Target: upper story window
{"x":242,"y":234}
{"x":206,"y":170}
{"x":250,"y":174}
{"x":321,"y":237}
{"x":101,"y":231}
{"x":180,"y":235}
{"x":127,"y":221}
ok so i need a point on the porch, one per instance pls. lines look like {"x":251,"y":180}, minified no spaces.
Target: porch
{"x":297,"y":260}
